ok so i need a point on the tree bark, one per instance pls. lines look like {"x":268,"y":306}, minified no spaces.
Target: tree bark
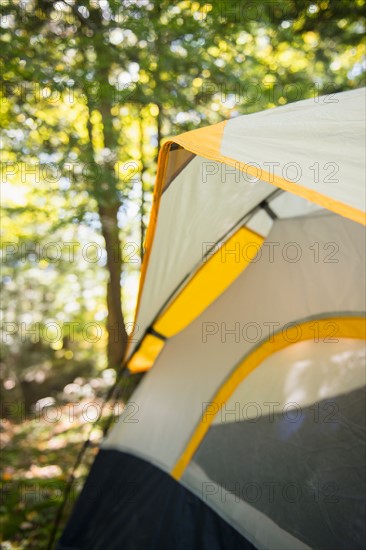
{"x":117,"y":335}
{"x":109,"y":203}
{"x":143,"y":199}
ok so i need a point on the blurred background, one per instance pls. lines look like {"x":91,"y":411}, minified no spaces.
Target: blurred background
{"x":90,"y":89}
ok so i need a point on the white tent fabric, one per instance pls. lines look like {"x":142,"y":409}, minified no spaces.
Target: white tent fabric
{"x":317,"y":143}
{"x":194,"y":363}
{"x":316,"y":147}
{"x":306,"y":373}
{"x":199,"y":214}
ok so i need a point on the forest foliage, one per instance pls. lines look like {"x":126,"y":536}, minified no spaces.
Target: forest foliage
{"x":90,"y":89}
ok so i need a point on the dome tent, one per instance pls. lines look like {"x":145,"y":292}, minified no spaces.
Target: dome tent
{"x":247,"y":429}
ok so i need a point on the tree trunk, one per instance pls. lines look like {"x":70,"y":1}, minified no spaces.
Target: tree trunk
{"x":143,"y":199}
{"x":109,"y":202}
{"x":117,"y":335}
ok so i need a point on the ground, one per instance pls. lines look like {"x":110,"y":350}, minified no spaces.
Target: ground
{"x":37,"y":456}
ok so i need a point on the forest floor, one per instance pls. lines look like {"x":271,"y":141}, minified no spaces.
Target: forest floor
{"x":37,"y":457}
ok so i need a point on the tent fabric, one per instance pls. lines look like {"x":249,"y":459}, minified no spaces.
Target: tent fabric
{"x":313,"y":148}
{"x":304,"y":477}
{"x":194,"y":363}
{"x":345,"y":328}
{"x":202,"y":214}
{"x":306,"y":373}
{"x":317,"y":393}
{"x":254,"y":391}
{"x":163,"y":516}
{"x":223,"y":261}
{"x":295,"y":147}
{"x":223,"y":265}
{"x":215,"y":275}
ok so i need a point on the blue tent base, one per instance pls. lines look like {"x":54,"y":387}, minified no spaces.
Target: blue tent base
{"x":129,"y":504}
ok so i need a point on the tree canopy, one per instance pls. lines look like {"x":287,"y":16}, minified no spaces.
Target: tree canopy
{"x":89,"y":90}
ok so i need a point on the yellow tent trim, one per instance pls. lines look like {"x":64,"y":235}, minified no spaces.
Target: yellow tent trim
{"x":160,"y":178}
{"x":348,"y":327}
{"x":147,"y":353}
{"x":208,"y":283}
{"x":204,"y":142}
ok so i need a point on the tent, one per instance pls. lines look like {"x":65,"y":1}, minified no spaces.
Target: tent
{"x":247,"y":430}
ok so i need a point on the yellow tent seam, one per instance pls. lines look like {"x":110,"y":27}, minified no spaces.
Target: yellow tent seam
{"x":349,"y":327}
